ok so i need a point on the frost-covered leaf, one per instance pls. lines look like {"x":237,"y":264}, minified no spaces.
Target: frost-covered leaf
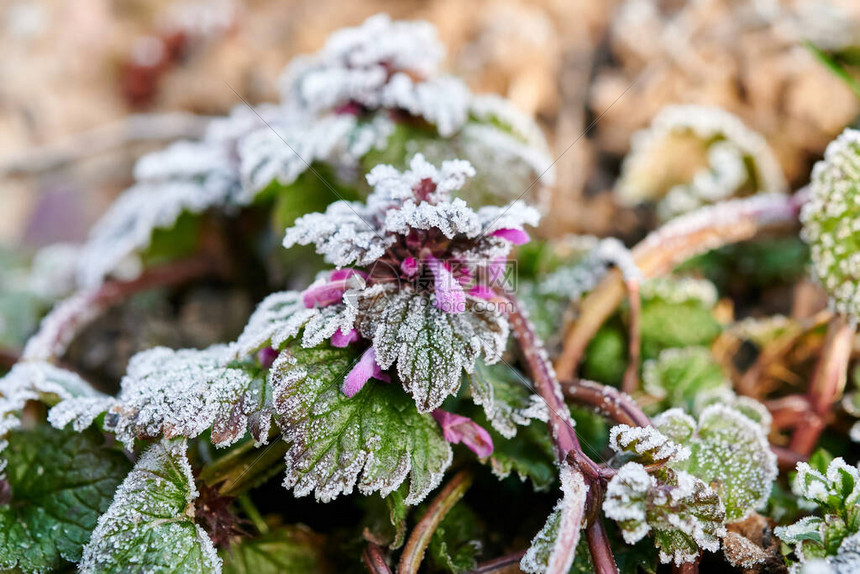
{"x":455,"y":544}
{"x":836,"y":490}
{"x":429,"y":347}
{"x":150,"y":526}
{"x":277,"y":319}
{"x":38,"y":381}
{"x":678,"y":376}
{"x":729,"y":451}
{"x":181,"y":393}
{"x":294,"y":549}
{"x":646,"y":445}
{"x":529,"y":454}
{"x":683,"y":512}
{"x":845,"y":561}
{"x":741,"y":552}
{"x":60,"y":482}
{"x":554,"y":547}
{"x":667,"y":324}
{"x":373,"y":440}
{"x":187,"y":177}
{"x":505,"y":396}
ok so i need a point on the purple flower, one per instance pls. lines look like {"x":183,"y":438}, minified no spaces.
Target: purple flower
{"x":341,"y":339}
{"x":457,"y":429}
{"x":326,"y":294}
{"x":409,"y":266}
{"x":450,"y":296}
{"x":515,"y":236}
{"x":363,"y":371}
{"x":482,"y":292}
{"x":267,"y":356}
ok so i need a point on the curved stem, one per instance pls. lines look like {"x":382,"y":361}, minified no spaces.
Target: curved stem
{"x":68,"y":318}
{"x":413,"y":552}
{"x":502,"y":564}
{"x":667,"y":247}
{"x":828,"y":382}
{"x":374,"y":560}
{"x":631,"y":374}
{"x":598,"y":545}
{"x":607,"y":401}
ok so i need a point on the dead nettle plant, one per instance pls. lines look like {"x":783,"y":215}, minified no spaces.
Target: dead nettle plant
{"x":418,"y":335}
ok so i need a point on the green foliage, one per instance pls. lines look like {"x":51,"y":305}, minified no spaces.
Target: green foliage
{"x":679,"y":376}
{"x":374,"y":439}
{"x":529,"y":455}
{"x":506,"y":396}
{"x":606,"y":355}
{"x":727,"y":450}
{"x":60,"y":482}
{"x":455,"y":544}
{"x":294,"y":549}
{"x":667,"y":325}
{"x":150,"y":523}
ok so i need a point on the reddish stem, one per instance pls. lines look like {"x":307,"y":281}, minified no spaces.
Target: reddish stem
{"x":607,"y":401}
{"x":374,"y":560}
{"x":631,"y":375}
{"x":507,"y":563}
{"x":601,"y":551}
{"x":68,"y":318}
{"x":8,"y":358}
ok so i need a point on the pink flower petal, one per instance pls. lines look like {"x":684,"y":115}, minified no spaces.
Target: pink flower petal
{"x":324,"y":294}
{"x":409,"y":266}
{"x":339,"y":339}
{"x":450,"y":296}
{"x":457,"y":428}
{"x":515,"y":236}
{"x":364,"y":370}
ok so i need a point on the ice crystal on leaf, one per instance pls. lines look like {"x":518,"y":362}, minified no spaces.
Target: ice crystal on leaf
{"x":728,"y":450}
{"x":150,"y":524}
{"x":683,"y":512}
{"x":830,"y":222}
{"x":554,"y":547}
{"x":575,"y":280}
{"x":505,"y":397}
{"x":37,"y":381}
{"x":373,"y":440}
{"x":182,"y":394}
{"x":646,"y":444}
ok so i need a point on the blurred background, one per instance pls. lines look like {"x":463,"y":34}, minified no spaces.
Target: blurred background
{"x":87,"y":86}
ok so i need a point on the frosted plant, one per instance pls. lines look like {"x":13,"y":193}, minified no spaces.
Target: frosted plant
{"x":646,"y":445}
{"x":338,"y":106}
{"x":150,"y":525}
{"x":712,"y":155}
{"x":576,"y":280}
{"x":553,"y":548}
{"x":677,"y":377}
{"x":829,"y":222}
{"x":828,"y":542}
{"x":727,"y":449}
{"x":37,"y":381}
{"x":426,"y":267}
{"x":684,"y":514}
{"x":678,"y":290}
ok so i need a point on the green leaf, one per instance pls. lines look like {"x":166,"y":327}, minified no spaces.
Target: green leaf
{"x":430,"y":347}
{"x":606,"y":355}
{"x":666,"y":325}
{"x":679,"y":376}
{"x":455,"y":545}
{"x":506,"y":397}
{"x":729,"y":451}
{"x":385,"y":518}
{"x":295,"y":549}
{"x":529,"y":454}
{"x":150,"y":523}
{"x":374,"y":439}
{"x":60,"y":483}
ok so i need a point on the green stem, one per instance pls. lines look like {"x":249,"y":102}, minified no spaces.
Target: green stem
{"x":253,"y":514}
{"x":836,"y":68}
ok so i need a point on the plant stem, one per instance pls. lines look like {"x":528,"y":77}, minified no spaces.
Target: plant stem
{"x":631,"y":374}
{"x":68,"y":318}
{"x":607,"y":401}
{"x":507,"y":563}
{"x":828,"y":382}
{"x":253,"y":514}
{"x":375,"y":560}
{"x":665,"y":248}
{"x":413,"y":552}
{"x":598,"y":545}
